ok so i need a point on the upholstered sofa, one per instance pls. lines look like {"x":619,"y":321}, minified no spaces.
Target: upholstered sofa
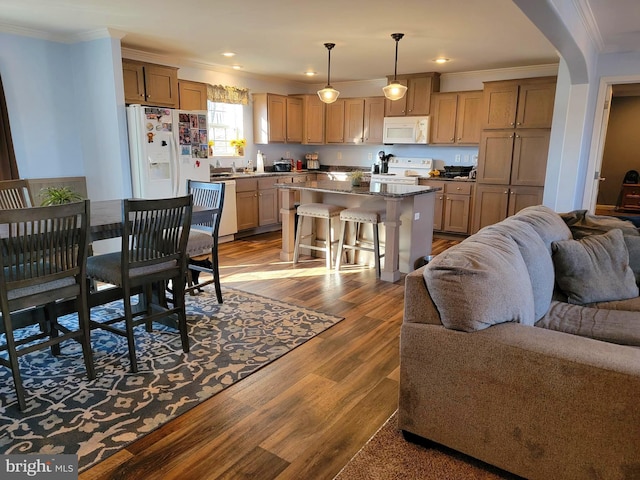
{"x":519,"y":347}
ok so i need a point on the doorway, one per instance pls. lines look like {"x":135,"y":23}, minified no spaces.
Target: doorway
{"x":621,"y":151}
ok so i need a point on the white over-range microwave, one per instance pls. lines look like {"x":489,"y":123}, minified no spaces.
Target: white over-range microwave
{"x":411,"y":130}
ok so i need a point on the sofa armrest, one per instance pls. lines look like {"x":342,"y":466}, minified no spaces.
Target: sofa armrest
{"x":535,"y":402}
{"x":418,"y":305}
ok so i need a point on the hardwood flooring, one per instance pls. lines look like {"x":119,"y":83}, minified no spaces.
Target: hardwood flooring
{"x":304,"y":415}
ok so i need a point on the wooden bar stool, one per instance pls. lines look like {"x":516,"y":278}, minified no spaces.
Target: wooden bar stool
{"x":316,"y":210}
{"x":359,"y":216}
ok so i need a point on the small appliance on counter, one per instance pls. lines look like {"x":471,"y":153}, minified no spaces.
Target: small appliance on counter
{"x":454,"y":171}
{"x":312,"y":161}
{"x":282,"y":165}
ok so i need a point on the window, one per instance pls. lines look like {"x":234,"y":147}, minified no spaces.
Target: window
{"x":225,"y":124}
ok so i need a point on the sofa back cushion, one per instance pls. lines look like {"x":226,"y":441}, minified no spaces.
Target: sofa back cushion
{"x":594,"y":269}
{"x":481,"y":282}
{"x":536,"y":257}
{"x":547,"y":223}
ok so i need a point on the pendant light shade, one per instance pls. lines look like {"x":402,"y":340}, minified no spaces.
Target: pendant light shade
{"x":329,"y":94}
{"x":395,"y":90}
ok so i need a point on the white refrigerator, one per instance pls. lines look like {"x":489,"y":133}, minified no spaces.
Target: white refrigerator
{"x":166,"y":148}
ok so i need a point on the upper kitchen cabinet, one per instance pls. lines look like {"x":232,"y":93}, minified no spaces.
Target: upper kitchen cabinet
{"x":150,"y":84}
{"x":355,"y":121}
{"x":276,"y":118}
{"x":313,"y":121}
{"x":373,"y":120}
{"x":417,"y":100}
{"x":524,"y":103}
{"x":456,"y":118}
{"x":193,"y":95}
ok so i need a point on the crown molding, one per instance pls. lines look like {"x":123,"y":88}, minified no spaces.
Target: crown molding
{"x":589,"y":21}
{"x":549,"y":69}
{"x":58,"y":38}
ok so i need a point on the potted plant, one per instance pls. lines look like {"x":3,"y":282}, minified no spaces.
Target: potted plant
{"x":239,"y":144}
{"x":356,"y":177}
{"x":58,"y":196}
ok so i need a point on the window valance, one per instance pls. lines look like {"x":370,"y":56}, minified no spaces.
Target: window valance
{"x":226,"y":94}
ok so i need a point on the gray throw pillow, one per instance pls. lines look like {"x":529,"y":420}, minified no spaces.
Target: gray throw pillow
{"x":481,"y":282}
{"x":594,"y":269}
{"x":546,"y":222}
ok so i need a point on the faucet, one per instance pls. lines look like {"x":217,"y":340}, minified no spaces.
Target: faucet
{"x":218,"y":163}
{"x":233,"y":167}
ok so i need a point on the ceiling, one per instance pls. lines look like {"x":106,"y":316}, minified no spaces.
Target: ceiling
{"x":284,"y":38}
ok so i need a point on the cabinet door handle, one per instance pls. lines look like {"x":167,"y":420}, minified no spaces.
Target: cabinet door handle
{"x":458,"y":188}
{"x":513,"y":193}
{"x":512,"y":124}
{"x":517,"y":136}
{"x":451,"y":139}
{"x":518,"y":123}
{"x":459,"y":138}
{"x":506,"y":192}
{"x":510,"y":136}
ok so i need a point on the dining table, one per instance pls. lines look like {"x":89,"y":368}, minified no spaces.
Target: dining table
{"x":408,"y":223}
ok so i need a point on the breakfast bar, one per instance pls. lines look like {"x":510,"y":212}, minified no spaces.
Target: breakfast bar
{"x":408,"y":226}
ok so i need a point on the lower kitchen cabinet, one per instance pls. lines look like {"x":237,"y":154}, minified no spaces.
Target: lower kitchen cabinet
{"x":453,"y":205}
{"x":494,"y":203}
{"x":268,"y":211}
{"x":247,"y":203}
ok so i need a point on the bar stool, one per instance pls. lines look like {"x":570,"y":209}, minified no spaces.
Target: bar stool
{"x":360,"y":216}
{"x":316,"y":210}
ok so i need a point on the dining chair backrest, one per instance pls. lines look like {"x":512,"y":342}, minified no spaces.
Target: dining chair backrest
{"x":42,"y":246}
{"x":155,"y":231}
{"x":14,"y":194}
{"x":210,"y":195}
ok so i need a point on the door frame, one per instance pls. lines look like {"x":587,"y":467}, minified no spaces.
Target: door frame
{"x":600,"y":124}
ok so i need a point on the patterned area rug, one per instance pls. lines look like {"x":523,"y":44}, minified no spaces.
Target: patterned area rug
{"x":66,"y":413}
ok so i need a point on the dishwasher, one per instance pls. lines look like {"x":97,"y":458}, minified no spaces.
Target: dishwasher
{"x":229,"y":220}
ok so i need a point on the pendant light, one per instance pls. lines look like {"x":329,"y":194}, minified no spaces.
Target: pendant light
{"x":395,"y":90}
{"x":328,"y":94}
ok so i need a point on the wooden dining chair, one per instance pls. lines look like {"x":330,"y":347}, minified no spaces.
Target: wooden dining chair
{"x":14,"y":194}
{"x":202,"y":245}
{"x":153,"y":252}
{"x":43,"y":255}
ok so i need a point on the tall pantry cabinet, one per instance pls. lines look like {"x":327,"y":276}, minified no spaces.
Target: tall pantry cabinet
{"x":514,"y":144}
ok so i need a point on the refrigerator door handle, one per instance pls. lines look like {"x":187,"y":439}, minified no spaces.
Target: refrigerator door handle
{"x":174,"y":167}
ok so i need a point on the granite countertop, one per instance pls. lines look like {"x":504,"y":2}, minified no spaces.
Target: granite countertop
{"x":377,"y":189}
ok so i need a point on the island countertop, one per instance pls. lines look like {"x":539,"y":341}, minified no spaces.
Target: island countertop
{"x":376,"y":189}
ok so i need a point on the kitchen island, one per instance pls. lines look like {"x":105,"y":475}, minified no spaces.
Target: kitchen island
{"x":408,"y":226}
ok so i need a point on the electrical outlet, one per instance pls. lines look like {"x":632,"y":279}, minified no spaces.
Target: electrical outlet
{"x":339,"y":155}
{"x":370,"y":156}
{"x":287,"y":154}
{"x":458,"y":158}
{"x":466,"y":159}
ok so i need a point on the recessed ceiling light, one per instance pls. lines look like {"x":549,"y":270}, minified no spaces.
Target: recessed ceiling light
{"x":236,"y":67}
{"x":441,"y":60}
{"x":228,"y":54}
{"x":310,"y":74}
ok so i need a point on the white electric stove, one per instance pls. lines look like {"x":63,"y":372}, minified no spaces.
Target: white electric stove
{"x":404,"y":170}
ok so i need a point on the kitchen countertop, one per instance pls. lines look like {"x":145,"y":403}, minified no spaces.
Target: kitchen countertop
{"x":376,"y":189}
{"x":237,"y":175}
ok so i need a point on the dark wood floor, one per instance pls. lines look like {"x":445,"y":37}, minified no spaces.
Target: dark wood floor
{"x":304,"y":415}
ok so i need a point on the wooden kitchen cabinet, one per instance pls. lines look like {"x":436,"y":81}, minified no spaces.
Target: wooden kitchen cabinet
{"x":335,"y":122}
{"x":276,"y":118}
{"x":313,"y":121}
{"x":452,"y":210}
{"x":257,"y":202}
{"x":373,"y":120}
{"x":150,"y":84}
{"x":193,"y":95}
{"x":247,"y":203}
{"x":524,"y":103}
{"x":417,"y":100}
{"x":355,"y":121}
{"x":494,"y":203}
{"x":456,"y":118}
{"x":513,"y":157}
{"x":294,"y":119}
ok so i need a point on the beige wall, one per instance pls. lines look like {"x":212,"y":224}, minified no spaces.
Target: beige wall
{"x":621,"y":148}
